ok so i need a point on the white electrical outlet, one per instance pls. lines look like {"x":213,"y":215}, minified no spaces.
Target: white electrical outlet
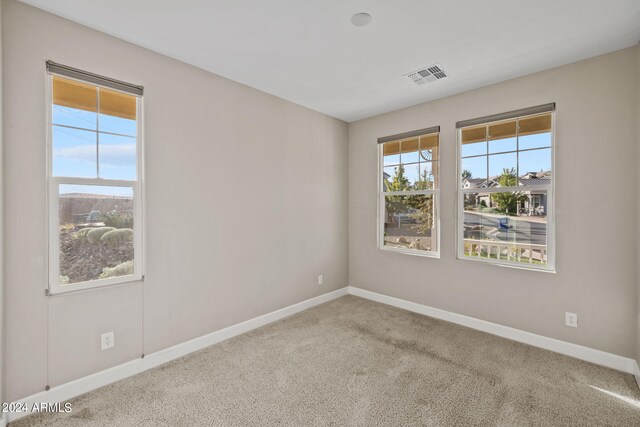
{"x":319,"y":279}
{"x":571,"y":319}
{"x":107,"y":340}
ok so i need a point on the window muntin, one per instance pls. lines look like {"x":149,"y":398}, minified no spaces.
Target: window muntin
{"x":506,"y":188}
{"x":94,"y":186}
{"x":409,"y":190}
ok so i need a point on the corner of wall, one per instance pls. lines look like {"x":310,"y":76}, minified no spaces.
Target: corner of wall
{"x":2,"y":299}
{"x":637,"y":373}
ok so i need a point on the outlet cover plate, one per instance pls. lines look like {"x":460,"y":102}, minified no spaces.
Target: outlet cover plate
{"x":571,"y":319}
{"x":107,"y":340}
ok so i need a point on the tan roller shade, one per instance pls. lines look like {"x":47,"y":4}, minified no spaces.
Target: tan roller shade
{"x":507,"y":129}
{"x":424,"y":142}
{"x":84,"y":96}
{"x":113,"y":103}
{"x":535,"y":124}
{"x":474,"y":134}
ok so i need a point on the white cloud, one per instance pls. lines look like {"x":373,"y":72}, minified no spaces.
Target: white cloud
{"x":110,"y":155}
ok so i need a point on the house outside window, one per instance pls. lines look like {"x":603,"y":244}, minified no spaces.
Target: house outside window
{"x":505,"y":204}
{"x":95,"y":180}
{"x":409,"y":193}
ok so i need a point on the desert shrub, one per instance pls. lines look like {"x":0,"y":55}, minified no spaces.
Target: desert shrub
{"x":82,"y":233}
{"x":123,"y":269}
{"x":66,"y":227}
{"x":64,"y":280}
{"x":491,"y":210}
{"x":94,"y":235}
{"x":118,"y":220}
{"x":115,"y":238}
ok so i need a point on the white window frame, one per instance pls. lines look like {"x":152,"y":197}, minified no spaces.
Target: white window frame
{"x":381,"y":197}
{"x":53,"y":184}
{"x":550,"y":266}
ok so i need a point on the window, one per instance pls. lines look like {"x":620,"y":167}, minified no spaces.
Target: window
{"x":94,"y":175}
{"x":505,"y":205}
{"x":408,"y":192}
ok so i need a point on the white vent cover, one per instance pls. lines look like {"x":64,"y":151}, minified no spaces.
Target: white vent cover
{"x":427,"y":74}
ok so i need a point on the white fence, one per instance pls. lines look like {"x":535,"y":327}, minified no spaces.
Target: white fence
{"x":511,"y":251}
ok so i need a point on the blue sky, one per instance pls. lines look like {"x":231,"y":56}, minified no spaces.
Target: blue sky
{"x":486,"y":159}
{"x":493,"y":159}
{"x":75,"y":150}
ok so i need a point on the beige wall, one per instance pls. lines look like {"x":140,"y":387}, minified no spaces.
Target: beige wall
{"x":638,"y":216}
{"x":595,"y":202}
{"x":2,"y":299}
{"x":263,"y":182}
{"x":259,"y":207}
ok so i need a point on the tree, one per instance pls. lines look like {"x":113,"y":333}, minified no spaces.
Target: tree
{"x":508,"y":202}
{"x":423,"y":204}
{"x":466,"y":174}
{"x":398,"y":182}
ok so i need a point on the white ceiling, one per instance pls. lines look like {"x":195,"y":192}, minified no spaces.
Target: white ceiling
{"x":307,"y":51}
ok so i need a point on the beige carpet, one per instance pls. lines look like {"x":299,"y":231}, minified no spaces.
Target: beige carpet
{"x":355,"y":362}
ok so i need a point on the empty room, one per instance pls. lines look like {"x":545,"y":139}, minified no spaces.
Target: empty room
{"x":319,"y":212}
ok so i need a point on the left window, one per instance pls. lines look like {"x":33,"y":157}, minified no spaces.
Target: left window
{"x":94,"y":175}
{"x":408,"y":192}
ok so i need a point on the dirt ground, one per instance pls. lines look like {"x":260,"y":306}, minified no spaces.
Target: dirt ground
{"x":81,"y":261}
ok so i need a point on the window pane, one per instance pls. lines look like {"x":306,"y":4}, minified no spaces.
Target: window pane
{"x":429,"y":147}
{"x":508,"y":226}
{"x":475,"y":168}
{"x":502,"y":168}
{"x":535,"y":164}
{"x":412,"y":172}
{"x":409,"y":222}
{"x":118,"y":112}
{"x":475,"y":149}
{"x":398,"y":180}
{"x":502,"y":145}
{"x":502,"y":137}
{"x":534,"y":132}
{"x":387,"y":176}
{"x":474,"y":141}
{"x":534,"y":141}
{"x":391,"y":152}
{"x":72,"y":117}
{"x":74,"y":103}
{"x":410,"y":151}
{"x":74,"y":152}
{"x":117,"y":157}
{"x":427,"y":178}
{"x":96,"y":232}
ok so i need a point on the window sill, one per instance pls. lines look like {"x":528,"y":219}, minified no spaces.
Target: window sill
{"x":413,"y":252}
{"x":96,"y":285}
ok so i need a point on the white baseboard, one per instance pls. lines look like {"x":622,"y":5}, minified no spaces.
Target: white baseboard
{"x":83,"y":385}
{"x":588,"y":354}
{"x":636,"y":373}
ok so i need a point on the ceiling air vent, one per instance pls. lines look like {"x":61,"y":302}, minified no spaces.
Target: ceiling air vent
{"x":427,"y":75}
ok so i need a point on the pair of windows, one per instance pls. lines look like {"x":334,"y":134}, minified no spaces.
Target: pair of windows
{"x":505,"y":178}
{"x":94,"y":177}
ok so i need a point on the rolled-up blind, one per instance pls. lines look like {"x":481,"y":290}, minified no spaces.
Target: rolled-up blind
{"x":546,"y":108}
{"x":74,"y":73}
{"x":406,"y":135}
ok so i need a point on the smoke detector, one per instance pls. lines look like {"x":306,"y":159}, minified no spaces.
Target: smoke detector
{"x":426,"y":75}
{"x":360,"y":19}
